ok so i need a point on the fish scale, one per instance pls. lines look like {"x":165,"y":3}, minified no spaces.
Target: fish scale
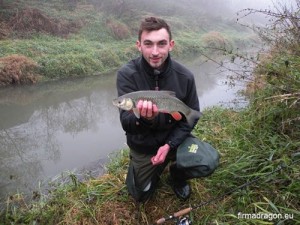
{"x":163,"y":100}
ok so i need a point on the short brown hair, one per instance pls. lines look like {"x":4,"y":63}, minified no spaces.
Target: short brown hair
{"x":153,"y":23}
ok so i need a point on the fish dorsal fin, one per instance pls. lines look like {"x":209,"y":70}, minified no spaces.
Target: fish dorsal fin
{"x":171,"y":93}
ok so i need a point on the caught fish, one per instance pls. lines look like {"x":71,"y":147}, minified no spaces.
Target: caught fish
{"x":165,"y":101}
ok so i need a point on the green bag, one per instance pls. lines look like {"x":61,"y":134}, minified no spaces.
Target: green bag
{"x":199,"y":157}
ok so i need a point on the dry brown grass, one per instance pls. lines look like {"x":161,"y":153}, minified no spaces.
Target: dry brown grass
{"x":124,"y":210}
{"x":31,"y":20}
{"x":214,"y":40}
{"x":17,"y":69}
{"x":5,"y":30}
{"x":258,"y":83}
{"x":119,"y":30}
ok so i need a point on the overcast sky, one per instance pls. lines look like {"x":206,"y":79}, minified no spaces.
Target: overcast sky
{"x":259,"y":4}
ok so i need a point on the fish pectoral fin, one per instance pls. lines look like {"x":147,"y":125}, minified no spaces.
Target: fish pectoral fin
{"x":176,"y":115}
{"x":136,"y":112}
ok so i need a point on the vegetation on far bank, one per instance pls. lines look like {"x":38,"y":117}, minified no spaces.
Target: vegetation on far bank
{"x":253,"y":142}
{"x":84,"y":38}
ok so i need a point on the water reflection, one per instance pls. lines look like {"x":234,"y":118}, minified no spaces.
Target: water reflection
{"x":49,"y":128}
{"x":212,"y":84}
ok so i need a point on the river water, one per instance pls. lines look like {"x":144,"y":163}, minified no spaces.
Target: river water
{"x":71,"y":125}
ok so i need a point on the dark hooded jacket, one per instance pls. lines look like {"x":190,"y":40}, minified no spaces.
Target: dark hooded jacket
{"x":144,"y":135}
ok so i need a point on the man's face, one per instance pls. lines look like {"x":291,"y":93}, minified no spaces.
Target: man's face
{"x":155,"y":46}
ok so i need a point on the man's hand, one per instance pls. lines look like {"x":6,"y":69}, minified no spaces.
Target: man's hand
{"x":147,"y":109}
{"x":161,"y":154}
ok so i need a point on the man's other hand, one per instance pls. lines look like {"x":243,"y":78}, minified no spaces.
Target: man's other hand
{"x":161,"y":155}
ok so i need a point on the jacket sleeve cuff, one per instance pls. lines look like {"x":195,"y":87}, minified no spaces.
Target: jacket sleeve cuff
{"x":171,"y":144}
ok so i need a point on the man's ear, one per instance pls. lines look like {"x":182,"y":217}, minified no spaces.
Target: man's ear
{"x":138,"y":45}
{"x":171,"y":45}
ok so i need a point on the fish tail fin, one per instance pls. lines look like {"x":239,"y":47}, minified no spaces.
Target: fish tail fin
{"x":193,"y":117}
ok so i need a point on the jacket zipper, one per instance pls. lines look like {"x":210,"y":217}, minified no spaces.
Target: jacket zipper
{"x":156,"y":74}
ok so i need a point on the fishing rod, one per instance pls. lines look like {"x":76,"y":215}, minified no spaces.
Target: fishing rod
{"x":179,"y":217}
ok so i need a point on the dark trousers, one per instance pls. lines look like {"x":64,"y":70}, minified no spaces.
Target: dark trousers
{"x":141,"y":173}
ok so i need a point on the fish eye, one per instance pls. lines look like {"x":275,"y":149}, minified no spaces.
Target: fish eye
{"x":121,"y":101}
